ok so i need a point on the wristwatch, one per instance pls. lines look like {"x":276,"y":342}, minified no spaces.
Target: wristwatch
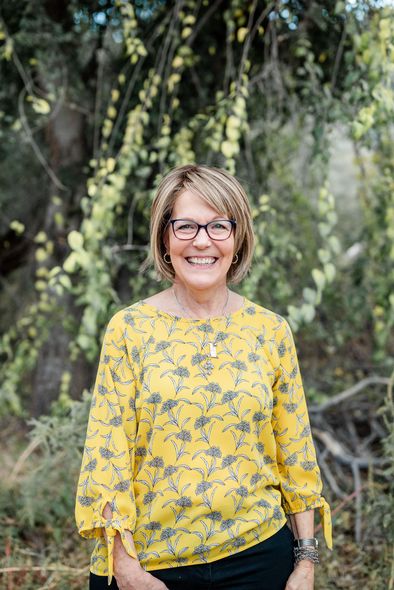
{"x":306,"y":543}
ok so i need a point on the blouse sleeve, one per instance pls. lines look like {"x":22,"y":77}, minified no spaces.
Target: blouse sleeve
{"x":299,"y":474}
{"x":106,"y":471}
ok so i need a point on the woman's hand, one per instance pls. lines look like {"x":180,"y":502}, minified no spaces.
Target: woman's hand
{"x":302,"y":577}
{"x":130,"y":575}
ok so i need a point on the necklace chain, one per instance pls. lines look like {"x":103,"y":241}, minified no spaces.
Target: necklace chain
{"x":212,"y":345}
{"x":188,"y":313}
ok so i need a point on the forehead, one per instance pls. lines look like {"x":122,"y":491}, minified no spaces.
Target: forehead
{"x":190,"y":205}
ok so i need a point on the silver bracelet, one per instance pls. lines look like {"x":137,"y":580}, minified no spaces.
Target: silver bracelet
{"x":306,"y":552}
{"x":313,"y":542}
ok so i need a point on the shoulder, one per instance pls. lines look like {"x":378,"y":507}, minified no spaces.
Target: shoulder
{"x":127,"y":318}
{"x":267,"y":319}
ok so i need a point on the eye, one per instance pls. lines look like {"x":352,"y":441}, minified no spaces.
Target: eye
{"x":185,"y":226}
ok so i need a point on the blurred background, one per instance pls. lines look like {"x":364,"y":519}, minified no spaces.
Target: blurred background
{"x":97,"y":100}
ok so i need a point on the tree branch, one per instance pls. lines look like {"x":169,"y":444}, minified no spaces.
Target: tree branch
{"x":348,"y":393}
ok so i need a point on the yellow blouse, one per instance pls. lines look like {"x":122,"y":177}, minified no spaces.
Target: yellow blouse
{"x":198,"y":437}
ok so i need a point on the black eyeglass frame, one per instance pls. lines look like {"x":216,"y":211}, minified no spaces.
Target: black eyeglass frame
{"x":205,"y":226}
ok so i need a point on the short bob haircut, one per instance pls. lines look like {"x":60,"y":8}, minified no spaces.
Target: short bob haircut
{"x":223,"y":193}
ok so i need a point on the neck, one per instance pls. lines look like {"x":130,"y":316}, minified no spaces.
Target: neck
{"x":202,"y":304}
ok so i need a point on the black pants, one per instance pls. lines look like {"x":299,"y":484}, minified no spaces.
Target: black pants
{"x":265,"y":566}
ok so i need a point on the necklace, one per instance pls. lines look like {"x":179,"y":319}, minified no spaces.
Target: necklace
{"x":212,"y":345}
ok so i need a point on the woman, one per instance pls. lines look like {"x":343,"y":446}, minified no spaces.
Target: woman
{"x":198,"y":443}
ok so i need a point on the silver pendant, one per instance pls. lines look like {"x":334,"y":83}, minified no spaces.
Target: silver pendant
{"x":212,"y":350}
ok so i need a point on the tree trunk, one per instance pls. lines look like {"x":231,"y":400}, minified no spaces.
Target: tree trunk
{"x":65,"y":140}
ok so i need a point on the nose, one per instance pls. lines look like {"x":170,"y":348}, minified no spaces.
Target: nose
{"x":202,"y":238}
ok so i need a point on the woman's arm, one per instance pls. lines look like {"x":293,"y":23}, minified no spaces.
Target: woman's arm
{"x":302,"y":524}
{"x":302,"y":578}
{"x":128,"y":572}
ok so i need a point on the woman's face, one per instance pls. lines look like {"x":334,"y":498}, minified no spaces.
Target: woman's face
{"x":200,"y":263}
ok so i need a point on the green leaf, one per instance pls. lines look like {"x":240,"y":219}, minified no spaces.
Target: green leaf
{"x":84,"y":341}
{"x":294,"y":313}
{"x":229,"y":148}
{"x":308,"y":312}
{"x":70,"y":265}
{"x":319,"y":278}
{"x":65,"y":281}
{"x":324,"y":256}
{"x":309,"y":295}
{"x":329,"y":271}
{"x":324,"y":229}
{"x":334,"y":244}
{"x":75,"y":240}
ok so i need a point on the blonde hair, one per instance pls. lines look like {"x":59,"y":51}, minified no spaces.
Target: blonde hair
{"x":223,"y":193}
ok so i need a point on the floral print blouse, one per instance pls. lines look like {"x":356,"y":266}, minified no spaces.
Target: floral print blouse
{"x":198,"y":437}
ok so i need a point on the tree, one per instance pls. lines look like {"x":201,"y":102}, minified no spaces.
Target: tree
{"x":102,"y":97}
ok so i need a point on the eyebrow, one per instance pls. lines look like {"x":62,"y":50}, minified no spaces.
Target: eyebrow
{"x":217,"y":218}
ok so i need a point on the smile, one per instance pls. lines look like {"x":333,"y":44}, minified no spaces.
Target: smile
{"x":202,"y":261}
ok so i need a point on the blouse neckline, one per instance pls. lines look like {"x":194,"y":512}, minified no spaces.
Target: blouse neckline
{"x":165,"y":314}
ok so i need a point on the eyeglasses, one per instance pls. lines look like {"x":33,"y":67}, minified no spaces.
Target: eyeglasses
{"x":186,"y":229}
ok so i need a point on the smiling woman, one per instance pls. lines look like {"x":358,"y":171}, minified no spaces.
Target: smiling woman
{"x":198,"y":442}
{"x":225,"y":198}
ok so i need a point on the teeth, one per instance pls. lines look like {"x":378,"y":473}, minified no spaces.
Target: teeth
{"x":201,"y":260}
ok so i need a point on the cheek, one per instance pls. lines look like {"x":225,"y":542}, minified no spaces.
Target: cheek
{"x":231,"y":249}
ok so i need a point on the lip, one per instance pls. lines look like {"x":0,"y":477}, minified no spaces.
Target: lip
{"x":206,"y":265}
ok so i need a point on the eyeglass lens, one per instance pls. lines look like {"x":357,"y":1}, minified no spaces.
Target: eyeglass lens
{"x":217,"y":230}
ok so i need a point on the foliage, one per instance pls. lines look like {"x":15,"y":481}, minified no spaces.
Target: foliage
{"x":272,"y":88}
{"x":101,"y":98}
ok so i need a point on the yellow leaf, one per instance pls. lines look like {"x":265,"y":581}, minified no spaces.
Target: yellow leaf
{"x":17,"y":226}
{"x":8,"y":49}
{"x":190,"y":19}
{"x":41,"y":255}
{"x":41,"y":106}
{"x":17,"y":125}
{"x":40,"y":285}
{"x":111,"y":163}
{"x":92,"y":190}
{"x":64,"y":280}
{"x":229,"y":148}
{"x":42,"y":272}
{"x":59,"y":219}
{"x":186,"y":32}
{"x":241,"y":34}
{"x":141,"y":50}
{"x":233,"y":122}
{"x":111,"y":112}
{"x":41,"y":237}
{"x":32,"y":332}
{"x":232,"y":134}
{"x":75,"y":240}
{"x":71,"y":263}
{"x":177,"y":62}
{"x":239,"y":106}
